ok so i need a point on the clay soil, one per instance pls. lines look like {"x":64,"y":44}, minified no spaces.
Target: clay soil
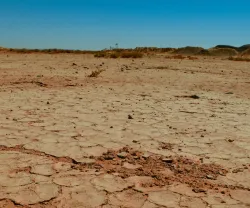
{"x":78,"y":131}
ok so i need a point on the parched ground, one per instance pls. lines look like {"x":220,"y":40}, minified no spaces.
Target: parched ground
{"x":145,"y":133}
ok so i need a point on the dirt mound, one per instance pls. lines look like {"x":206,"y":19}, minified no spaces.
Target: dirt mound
{"x":239,"y":49}
{"x":245,"y":53}
{"x":226,"y":46}
{"x":244,"y":47}
{"x":222,"y":52}
{"x":189,"y":50}
{"x":204,"y":52}
{"x":128,"y":162}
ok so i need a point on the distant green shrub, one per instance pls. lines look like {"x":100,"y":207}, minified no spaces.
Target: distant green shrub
{"x":100,"y":55}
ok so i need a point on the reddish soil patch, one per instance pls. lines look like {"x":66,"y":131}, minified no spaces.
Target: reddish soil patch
{"x":128,"y":162}
{"x":163,"y":170}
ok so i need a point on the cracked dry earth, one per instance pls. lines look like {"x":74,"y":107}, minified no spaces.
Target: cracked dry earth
{"x":135,"y":136}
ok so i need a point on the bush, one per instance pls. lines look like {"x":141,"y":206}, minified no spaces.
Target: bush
{"x":132,"y":54}
{"x":100,"y":55}
{"x":114,"y":55}
{"x":118,"y":54}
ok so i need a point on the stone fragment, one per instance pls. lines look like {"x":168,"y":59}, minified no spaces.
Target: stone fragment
{"x":209,"y":177}
{"x":122,"y":155}
{"x":167,"y":160}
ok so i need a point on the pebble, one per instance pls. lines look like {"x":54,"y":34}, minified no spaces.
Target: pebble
{"x":122,"y":155}
{"x":108,"y":157}
{"x":210,"y":177}
{"x":167,"y":160}
{"x":146,"y":155}
{"x":198,"y":190}
{"x":130,"y":117}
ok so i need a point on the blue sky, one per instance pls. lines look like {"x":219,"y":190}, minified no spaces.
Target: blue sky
{"x":98,"y":24}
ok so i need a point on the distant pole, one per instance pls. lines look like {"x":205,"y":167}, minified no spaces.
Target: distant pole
{"x":116,"y":45}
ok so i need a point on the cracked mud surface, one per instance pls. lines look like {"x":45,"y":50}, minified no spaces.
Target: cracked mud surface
{"x":136,"y":136}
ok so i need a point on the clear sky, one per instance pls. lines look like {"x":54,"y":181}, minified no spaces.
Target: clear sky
{"x":99,"y":24}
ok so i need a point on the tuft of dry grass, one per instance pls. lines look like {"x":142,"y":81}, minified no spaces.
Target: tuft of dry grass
{"x":119,"y":54}
{"x":96,"y":73}
{"x":114,"y":55}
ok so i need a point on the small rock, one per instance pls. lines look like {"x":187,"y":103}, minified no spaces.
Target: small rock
{"x":210,"y":177}
{"x":194,"y":96}
{"x":122,"y":155}
{"x":222,"y":173}
{"x":130,"y":117}
{"x":230,"y":140}
{"x":146,"y":155}
{"x":134,"y":141}
{"x":108,"y":157}
{"x":167,"y":160}
{"x":198,"y":190}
